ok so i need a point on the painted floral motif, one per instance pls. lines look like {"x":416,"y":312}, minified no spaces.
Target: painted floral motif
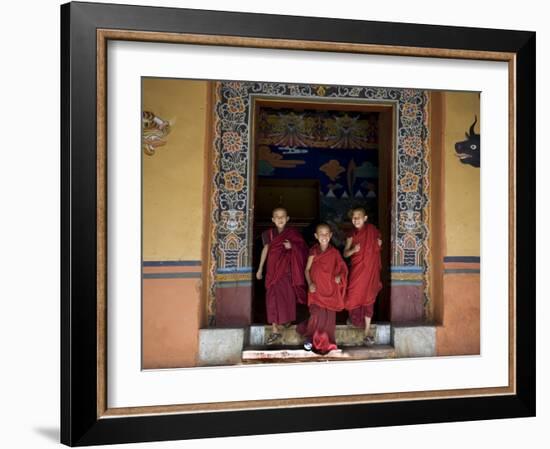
{"x":412,"y":113}
{"x":407,"y":94}
{"x":410,"y":110}
{"x":412,"y":145}
{"x":231,"y":142}
{"x":409,"y":182}
{"x":233,"y":181}
{"x":235,"y":105}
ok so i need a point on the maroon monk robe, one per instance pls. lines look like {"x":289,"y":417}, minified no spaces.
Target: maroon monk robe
{"x":327,"y":299}
{"x":319,"y":329}
{"x":325,"y":267}
{"x":364,"y":279}
{"x":284,"y":278}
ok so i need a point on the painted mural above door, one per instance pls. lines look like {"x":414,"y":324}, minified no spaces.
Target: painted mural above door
{"x":337,"y":148}
{"x":286,"y":127}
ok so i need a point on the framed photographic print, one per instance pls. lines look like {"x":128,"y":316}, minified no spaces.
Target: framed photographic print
{"x":277,"y":224}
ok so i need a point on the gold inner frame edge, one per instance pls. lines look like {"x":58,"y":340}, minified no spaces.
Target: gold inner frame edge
{"x":104,"y":35}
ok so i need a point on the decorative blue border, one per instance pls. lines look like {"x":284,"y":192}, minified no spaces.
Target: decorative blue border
{"x":407,"y":269}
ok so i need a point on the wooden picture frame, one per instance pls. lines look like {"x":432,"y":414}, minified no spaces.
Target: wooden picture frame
{"x":86,"y":29}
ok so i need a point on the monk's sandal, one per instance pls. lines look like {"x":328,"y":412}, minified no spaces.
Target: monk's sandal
{"x":368,"y":340}
{"x":273,"y":338}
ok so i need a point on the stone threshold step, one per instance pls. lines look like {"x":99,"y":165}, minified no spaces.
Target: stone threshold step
{"x":298,"y":354}
{"x":345,"y":335}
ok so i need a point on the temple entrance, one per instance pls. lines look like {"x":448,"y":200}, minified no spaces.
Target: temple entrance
{"x":319,"y":159}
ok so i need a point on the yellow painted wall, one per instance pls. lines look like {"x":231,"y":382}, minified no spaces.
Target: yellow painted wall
{"x":462,"y":193}
{"x":173,"y":177}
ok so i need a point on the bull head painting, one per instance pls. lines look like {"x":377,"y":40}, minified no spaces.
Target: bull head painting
{"x":468,"y":151}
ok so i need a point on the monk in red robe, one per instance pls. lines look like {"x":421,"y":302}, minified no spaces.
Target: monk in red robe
{"x":285,"y":252}
{"x":363,"y":246}
{"x":326,"y":275}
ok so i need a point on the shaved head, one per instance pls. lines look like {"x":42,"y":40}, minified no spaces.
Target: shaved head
{"x":361,"y":210}
{"x":321,"y":226}
{"x":279,"y":209}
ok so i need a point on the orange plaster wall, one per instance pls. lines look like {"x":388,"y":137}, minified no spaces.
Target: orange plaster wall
{"x":460,"y":333}
{"x":170,"y":310}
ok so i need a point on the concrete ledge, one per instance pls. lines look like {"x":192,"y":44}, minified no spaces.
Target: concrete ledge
{"x":256,"y":335}
{"x":220,"y":346}
{"x":382,"y":333}
{"x":413,"y":340}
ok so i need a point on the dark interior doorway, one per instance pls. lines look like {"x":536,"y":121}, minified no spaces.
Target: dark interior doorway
{"x":317,"y":172}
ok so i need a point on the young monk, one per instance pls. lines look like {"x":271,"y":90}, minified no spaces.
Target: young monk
{"x":363,"y":246}
{"x":286,"y":252}
{"x":326,"y":275}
